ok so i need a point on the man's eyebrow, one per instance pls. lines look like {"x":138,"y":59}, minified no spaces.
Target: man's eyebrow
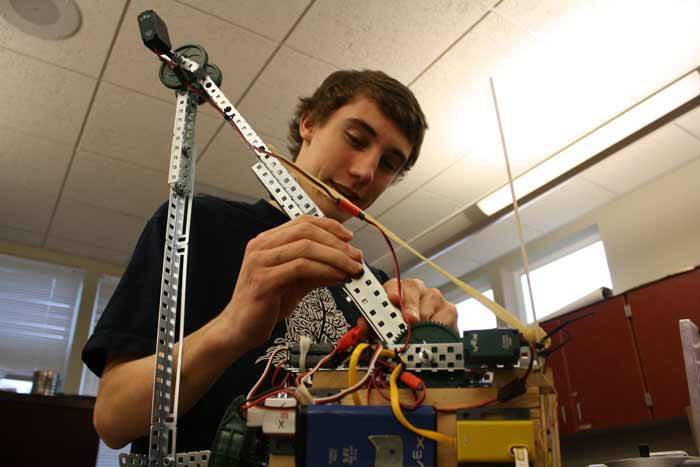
{"x":369,"y":129}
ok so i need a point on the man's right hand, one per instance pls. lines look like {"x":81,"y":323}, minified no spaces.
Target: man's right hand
{"x":279,"y":268}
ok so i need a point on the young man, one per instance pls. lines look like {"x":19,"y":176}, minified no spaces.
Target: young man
{"x":257,"y":280}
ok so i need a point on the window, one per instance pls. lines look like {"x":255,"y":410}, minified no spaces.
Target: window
{"x":472,"y":315}
{"x":38,"y":309}
{"x":105,"y":288}
{"x":566,"y":279}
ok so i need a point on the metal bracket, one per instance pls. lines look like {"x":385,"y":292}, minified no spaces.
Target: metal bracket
{"x":433,"y":357}
{"x":628,"y":310}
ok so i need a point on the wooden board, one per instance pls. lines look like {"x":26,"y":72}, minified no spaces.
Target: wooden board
{"x":540,"y":398}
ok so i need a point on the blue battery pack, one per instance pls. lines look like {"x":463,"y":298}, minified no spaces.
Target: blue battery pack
{"x":341,"y":435}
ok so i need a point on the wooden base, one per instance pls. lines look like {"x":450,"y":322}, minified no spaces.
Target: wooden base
{"x":540,"y":398}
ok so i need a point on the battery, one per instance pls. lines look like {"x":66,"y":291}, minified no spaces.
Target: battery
{"x":489,"y":435}
{"x":337,"y":435}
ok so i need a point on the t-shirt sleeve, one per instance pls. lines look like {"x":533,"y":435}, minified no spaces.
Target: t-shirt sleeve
{"x":128,"y":323}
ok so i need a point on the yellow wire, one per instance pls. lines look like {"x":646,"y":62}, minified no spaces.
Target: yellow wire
{"x":352,"y":371}
{"x":396,"y":409}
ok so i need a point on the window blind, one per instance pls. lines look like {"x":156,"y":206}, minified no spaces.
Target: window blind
{"x":105,"y":288}
{"x":38,"y":309}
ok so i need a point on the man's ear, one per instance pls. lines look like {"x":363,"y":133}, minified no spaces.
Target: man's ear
{"x":306,"y":127}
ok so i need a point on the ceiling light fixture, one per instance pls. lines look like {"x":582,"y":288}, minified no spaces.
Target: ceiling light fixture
{"x":45,"y":19}
{"x":625,"y":124}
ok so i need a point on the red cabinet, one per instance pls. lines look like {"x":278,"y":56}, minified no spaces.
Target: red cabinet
{"x":656,"y":309}
{"x":606,"y":381}
{"x":620,"y":359}
{"x":557,"y":363}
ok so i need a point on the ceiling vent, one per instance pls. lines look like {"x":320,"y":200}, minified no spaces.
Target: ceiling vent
{"x":45,"y":19}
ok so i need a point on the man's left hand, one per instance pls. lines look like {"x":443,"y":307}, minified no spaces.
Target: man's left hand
{"x":421,"y":303}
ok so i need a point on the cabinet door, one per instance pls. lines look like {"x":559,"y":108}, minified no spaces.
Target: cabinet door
{"x":656,"y":309}
{"x":604,"y":373}
{"x":557,"y":363}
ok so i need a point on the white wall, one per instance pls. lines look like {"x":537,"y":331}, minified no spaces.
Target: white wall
{"x":648,"y":233}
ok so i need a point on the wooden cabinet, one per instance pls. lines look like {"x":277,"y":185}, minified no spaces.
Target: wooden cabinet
{"x":557,"y":362}
{"x":623,"y":364}
{"x":606,"y":381}
{"x":656,"y":309}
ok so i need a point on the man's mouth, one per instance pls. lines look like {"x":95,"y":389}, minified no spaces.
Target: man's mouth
{"x":346,"y":192}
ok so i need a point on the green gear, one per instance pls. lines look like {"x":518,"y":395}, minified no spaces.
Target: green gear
{"x":430,"y":331}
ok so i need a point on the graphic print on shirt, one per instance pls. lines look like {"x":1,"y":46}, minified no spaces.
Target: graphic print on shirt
{"x":308,"y":320}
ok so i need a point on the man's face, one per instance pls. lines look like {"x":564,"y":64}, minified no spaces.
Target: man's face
{"x":358,"y":151}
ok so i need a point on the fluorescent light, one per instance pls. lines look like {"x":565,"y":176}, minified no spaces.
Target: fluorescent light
{"x":637,"y":117}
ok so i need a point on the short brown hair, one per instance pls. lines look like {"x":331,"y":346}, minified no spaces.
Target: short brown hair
{"x":395,"y":100}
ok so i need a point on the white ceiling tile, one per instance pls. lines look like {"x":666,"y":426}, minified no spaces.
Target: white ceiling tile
{"x":453,"y":263}
{"x":645,"y":159}
{"x":493,"y":241}
{"x":691,"y":121}
{"x":431,"y":277}
{"x":25,"y":237}
{"x":270,"y":18}
{"x":371,"y":242}
{"x":239,"y":53}
{"x":564,"y":203}
{"x":204,"y":189}
{"x":271,"y":102}
{"x":227,"y":165}
{"x":391,"y":196}
{"x":89,"y":251}
{"x":85,"y":51}
{"x":386,"y":262}
{"x":27,"y":210}
{"x":136,"y":128}
{"x":469,"y":179}
{"x":42,"y":99}
{"x":456,"y":98}
{"x":116,"y":185}
{"x":416,"y":213}
{"x":430,"y":163}
{"x":631,"y":43}
{"x":99,"y":227}
{"x":377,"y":35}
{"x":33,"y":163}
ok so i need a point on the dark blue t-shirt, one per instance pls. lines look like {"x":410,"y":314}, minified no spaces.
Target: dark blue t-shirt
{"x":219,"y":233}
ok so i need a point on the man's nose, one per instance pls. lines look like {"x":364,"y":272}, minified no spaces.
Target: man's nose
{"x":363,"y":167}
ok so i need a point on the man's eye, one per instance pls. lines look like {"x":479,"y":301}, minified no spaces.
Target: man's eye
{"x":390,"y":164}
{"x":355,"y":142}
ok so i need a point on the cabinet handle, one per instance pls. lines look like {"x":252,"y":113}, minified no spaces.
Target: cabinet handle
{"x":578,"y":412}
{"x":563,"y":414}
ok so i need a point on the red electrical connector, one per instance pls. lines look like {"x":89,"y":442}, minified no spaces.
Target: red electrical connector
{"x":352,"y":337}
{"x":412,"y":381}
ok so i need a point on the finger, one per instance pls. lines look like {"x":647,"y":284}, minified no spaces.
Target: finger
{"x":431,"y":301}
{"x":303,"y":275}
{"x":312,"y":251}
{"x":303,"y":230}
{"x":411,"y":300}
{"x":446,"y":316}
{"x":330,"y":225}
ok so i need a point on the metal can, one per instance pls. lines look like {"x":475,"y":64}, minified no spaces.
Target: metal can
{"x":45,"y":382}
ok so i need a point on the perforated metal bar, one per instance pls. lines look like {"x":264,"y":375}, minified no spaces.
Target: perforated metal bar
{"x":433,"y":357}
{"x":164,"y":409}
{"x":365,"y":291}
